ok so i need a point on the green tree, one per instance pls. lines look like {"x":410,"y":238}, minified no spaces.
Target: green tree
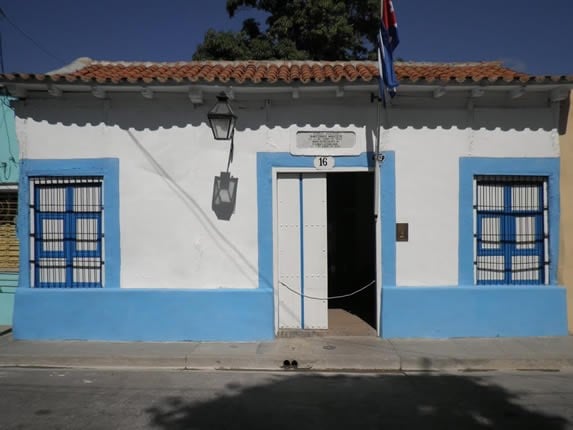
{"x":297,"y":30}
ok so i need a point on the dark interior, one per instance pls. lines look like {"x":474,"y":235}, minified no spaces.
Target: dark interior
{"x":352,"y":242}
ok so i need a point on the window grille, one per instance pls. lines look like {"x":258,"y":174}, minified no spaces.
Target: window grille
{"x":511,"y":231}
{"x":67,"y":232}
{"x":8,"y":238}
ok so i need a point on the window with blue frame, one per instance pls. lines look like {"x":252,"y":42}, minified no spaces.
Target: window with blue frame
{"x":511,"y":231}
{"x":67,"y":232}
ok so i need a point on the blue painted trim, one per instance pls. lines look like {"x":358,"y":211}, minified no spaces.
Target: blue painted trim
{"x":469,"y":167}
{"x":106,"y":167}
{"x":125,"y":314}
{"x":487,"y":311}
{"x":388,"y":221}
{"x":301,"y":229}
{"x":266,"y":161}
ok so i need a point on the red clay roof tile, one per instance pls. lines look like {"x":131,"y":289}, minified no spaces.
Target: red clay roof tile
{"x":86,"y":70}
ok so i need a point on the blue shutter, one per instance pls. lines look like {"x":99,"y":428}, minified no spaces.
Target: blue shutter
{"x":68,"y":233}
{"x":510,"y":238}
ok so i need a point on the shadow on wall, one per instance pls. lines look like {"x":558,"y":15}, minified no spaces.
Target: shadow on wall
{"x":168,"y":111}
{"x":564,"y":115}
{"x":227,"y":247}
{"x":362,"y":402}
{"x":224,"y":195}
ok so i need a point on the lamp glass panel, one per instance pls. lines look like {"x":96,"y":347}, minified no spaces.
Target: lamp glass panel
{"x":225,"y":196}
{"x":232,"y":125}
{"x":221,"y":127}
{"x":227,"y":189}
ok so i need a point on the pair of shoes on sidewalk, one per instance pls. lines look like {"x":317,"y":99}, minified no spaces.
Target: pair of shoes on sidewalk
{"x":290,"y":364}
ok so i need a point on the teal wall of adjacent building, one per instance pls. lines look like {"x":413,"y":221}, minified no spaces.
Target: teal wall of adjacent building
{"x":9,"y":150}
{"x":9,"y":173}
{"x":8,"y":284}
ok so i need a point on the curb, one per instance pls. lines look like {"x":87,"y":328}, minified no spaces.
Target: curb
{"x":184,"y":363}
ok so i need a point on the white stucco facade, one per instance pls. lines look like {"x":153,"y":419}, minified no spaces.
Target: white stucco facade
{"x":427,"y":186}
{"x":170,"y":237}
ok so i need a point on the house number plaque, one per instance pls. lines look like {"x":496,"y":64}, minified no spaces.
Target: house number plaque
{"x":324,"y":163}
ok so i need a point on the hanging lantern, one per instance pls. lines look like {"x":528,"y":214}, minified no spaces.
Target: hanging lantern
{"x":222,"y":119}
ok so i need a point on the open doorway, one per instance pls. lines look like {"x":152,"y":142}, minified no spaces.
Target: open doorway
{"x":351,"y":252}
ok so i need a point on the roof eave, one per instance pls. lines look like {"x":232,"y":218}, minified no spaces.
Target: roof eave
{"x":23,"y":87}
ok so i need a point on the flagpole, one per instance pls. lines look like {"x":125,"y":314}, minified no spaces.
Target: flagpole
{"x":377,"y":162}
{"x":378,"y":220}
{"x":387,"y":84}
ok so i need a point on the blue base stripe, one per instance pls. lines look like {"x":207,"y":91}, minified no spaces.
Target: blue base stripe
{"x":143,"y":315}
{"x":443,"y":312}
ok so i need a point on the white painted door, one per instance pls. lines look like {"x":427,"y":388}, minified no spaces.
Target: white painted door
{"x":289,"y":273}
{"x":302,"y":251}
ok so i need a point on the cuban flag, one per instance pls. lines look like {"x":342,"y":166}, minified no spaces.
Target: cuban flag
{"x":387,"y":41}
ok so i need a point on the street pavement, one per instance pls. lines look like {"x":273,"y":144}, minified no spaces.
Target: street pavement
{"x":351,"y":353}
{"x":210,"y":400}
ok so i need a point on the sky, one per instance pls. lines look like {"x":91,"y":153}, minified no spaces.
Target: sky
{"x":532,"y":36}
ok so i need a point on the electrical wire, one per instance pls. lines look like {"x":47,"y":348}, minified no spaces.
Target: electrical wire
{"x":12,"y":159}
{"x":30,"y":38}
{"x":3,"y":95}
{"x":10,"y":151}
{"x":328,"y":298}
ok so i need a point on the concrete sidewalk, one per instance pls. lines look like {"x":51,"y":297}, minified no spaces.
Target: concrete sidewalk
{"x":311,"y":353}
